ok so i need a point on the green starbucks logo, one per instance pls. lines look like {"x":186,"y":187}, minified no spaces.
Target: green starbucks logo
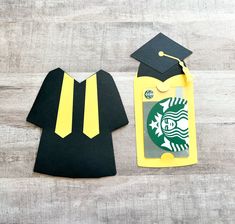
{"x":148,"y":94}
{"x":167,"y":124}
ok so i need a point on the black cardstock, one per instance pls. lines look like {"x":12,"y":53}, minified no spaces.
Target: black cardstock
{"x":77,"y":155}
{"x":162,"y":68}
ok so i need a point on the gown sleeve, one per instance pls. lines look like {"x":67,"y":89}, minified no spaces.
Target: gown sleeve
{"x":116,"y":114}
{"x":41,"y":110}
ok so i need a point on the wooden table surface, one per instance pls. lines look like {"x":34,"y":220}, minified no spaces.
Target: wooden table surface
{"x":82,"y":37}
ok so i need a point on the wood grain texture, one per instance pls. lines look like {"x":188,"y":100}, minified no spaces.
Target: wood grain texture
{"x":37,"y":36}
{"x":84,"y":36}
{"x":203,"y":193}
{"x":214,"y":100}
{"x":149,"y":199}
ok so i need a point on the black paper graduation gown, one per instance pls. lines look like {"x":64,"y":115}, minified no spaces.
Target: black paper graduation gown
{"x":73,"y":152}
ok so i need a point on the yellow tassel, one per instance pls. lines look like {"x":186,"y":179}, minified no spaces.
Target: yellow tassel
{"x":184,"y":68}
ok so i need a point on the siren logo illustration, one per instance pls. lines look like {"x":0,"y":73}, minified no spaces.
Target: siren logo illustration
{"x":149,"y":94}
{"x":167,"y":124}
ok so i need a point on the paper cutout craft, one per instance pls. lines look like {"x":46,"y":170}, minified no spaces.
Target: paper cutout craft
{"x":164,"y":105}
{"x":77,"y":120}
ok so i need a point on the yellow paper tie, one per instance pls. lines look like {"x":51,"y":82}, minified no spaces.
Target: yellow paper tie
{"x":91,"y":111}
{"x":65,"y":110}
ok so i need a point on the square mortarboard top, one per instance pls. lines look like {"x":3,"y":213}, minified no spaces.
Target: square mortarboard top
{"x":148,"y":54}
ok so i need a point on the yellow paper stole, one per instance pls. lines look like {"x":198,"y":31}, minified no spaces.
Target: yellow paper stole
{"x":91,"y":111}
{"x":64,"y":120}
{"x":65,"y":110}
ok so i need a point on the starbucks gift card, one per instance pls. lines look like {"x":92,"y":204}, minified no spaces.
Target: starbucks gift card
{"x":165,"y":125}
{"x":164,"y":105}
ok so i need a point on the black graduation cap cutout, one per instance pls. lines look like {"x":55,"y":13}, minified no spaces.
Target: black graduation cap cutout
{"x":152,"y":64}
{"x":77,"y":119}
{"x":164,"y":105}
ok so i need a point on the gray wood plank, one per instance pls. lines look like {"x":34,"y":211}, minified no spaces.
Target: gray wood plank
{"x":115,"y":11}
{"x":37,"y":36}
{"x":215,"y":148}
{"x":150,"y":199}
{"x":84,"y":36}
{"x":214,"y":94}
